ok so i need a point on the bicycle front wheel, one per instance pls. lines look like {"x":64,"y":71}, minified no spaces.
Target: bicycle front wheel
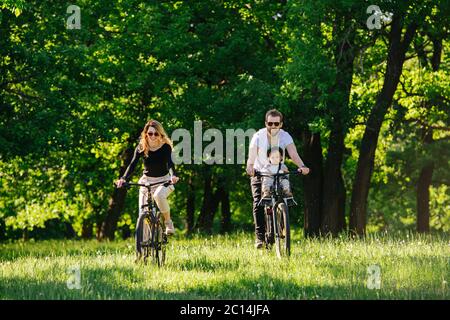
{"x":282,"y":231}
{"x":269,"y":236}
{"x":159,"y":245}
{"x":163,"y":249}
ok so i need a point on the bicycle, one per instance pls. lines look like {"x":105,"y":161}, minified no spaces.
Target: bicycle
{"x":151,"y":239}
{"x":277,"y":225}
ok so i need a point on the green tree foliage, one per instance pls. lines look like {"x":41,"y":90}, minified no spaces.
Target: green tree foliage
{"x":74,"y":101}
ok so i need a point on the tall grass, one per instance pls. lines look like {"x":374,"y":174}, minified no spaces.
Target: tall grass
{"x":228,"y":267}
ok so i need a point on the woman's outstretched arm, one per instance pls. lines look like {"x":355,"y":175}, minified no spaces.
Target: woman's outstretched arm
{"x":132,"y":164}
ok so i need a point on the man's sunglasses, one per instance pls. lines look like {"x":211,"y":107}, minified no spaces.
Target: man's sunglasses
{"x":150,"y":134}
{"x":270,"y":124}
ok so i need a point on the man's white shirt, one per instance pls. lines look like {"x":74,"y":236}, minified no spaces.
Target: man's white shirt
{"x":261,"y":141}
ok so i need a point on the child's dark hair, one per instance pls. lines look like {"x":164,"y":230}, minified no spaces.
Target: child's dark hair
{"x":279,"y":149}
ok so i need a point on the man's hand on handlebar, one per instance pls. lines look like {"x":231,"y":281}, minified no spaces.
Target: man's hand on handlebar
{"x":303,"y":170}
{"x":174,"y":179}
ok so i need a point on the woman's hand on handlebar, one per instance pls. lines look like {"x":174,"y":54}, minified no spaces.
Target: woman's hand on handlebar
{"x":174,"y":179}
{"x":303,"y":170}
{"x":120,"y":182}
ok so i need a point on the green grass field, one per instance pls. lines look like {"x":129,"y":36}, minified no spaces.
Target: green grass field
{"x":228,"y":267}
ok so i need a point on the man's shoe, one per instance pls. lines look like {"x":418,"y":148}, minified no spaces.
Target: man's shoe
{"x":287,"y":193}
{"x":259,"y":244}
{"x":138,"y":258}
{"x":290,"y":202}
{"x":170,"y":230}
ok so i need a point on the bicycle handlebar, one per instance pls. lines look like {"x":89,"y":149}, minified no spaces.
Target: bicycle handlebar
{"x":260,"y":174}
{"x":149,"y":185}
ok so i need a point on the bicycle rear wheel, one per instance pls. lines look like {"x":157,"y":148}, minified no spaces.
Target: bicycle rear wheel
{"x":143,"y":237}
{"x":282,"y":231}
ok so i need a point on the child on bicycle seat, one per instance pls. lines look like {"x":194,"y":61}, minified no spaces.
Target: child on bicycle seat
{"x":274,"y":166}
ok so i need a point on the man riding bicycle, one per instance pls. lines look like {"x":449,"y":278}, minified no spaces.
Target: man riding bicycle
{"x":263,"y":140}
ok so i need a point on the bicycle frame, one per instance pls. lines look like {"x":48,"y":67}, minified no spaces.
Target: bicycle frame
{"x":272,"y":232}
{"x":153,"y":218}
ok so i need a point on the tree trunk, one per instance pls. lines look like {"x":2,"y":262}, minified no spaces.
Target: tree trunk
{"x":361,"y":184}
{"x":226,"y":212}
{"x":115,"y":207}
{"x":25,"y":235}
{"x":331,"y":197}
{"x":437,"y":53}
{"x":190,"y":206}
{"x":209,"y":205}
{"x":423,"y":191}
{"x":342,"y":196}
{"x":333,"y":208}
{"x":426,"y":173}
{"x":116,"y":202}
{"x":312,"y":156}
{"x":87,"y":229}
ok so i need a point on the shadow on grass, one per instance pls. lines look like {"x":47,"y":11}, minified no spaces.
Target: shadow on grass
{"x":127,"y":283}
{"x":43,"y":249}
{"x":205,"y":264}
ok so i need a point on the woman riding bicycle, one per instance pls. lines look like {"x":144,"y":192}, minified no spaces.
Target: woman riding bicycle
{"x":156,"y":148}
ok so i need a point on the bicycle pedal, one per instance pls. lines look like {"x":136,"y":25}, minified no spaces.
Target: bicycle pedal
{"x":290,"y":202}
{"x":265,"y":202}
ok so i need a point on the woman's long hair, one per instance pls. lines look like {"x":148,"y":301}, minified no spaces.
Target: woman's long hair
{"x":144,"y":144}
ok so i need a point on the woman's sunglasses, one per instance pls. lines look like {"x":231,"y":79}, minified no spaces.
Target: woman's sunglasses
{"x":151,"y":134}
{"x":270,"y":124}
